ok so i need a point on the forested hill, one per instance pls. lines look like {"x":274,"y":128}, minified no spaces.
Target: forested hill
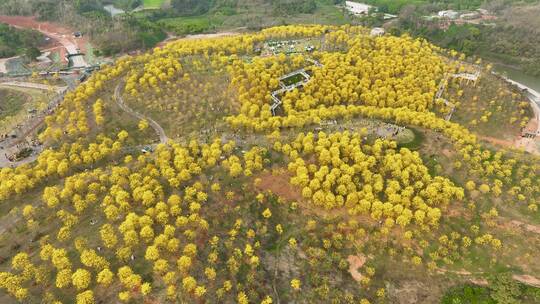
{"x":194,"y":7}
{"x":513,"y":37}
{"x":16,"y":41}
{"x":144,"y":27}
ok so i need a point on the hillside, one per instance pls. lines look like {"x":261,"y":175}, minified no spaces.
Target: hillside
{"x":297,"y":164}
{"x":19,"y":42}
{"x":508,"y":34}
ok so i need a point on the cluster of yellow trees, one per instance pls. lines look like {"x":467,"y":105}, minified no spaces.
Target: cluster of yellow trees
{"x":199,"y":96}
{"x":140,"y":220}
{"x":357,"y":69}
{"x":53,"y":163}
{"x":72,"y":119}
{"x":159,"y":218}
{"x":340,"y":170}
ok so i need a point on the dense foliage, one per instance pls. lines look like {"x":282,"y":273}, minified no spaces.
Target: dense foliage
{"x":111,"y":36}
{"x":311,"y":205}
{"x":289,"y":7}
{"x":191,"y":7}
{"x":502,"y":289}
{"x":18,"y":42}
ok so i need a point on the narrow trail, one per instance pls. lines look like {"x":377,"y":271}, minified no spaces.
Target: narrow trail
{"x":120,"y":101}
{"x":522,"y":278}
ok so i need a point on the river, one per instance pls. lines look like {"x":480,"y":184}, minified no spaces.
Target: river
{"x":518,"y":76}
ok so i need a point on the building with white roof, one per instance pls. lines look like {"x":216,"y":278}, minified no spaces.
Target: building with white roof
{"x":448,"y":14}
{"x":377,"y":31}
{"x":356,"y":8}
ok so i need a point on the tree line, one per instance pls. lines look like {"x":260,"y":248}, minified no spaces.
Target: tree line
{"x":19,"y":42}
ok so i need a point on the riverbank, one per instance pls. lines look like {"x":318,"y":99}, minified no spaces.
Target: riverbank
{"x":528,"y":140}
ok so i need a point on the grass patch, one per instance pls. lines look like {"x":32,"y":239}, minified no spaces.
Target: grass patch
{"x":16,"y":111}
{"x":293,"y":79}
{"x":511,"y":292}
{"x":153,"y":3}
{"x":415,"y":142}
{"x":467,"y":294}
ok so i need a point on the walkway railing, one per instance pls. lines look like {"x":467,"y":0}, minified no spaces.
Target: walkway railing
{"x":275,"y":94}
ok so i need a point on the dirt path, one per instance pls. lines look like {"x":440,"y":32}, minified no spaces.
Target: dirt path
{"x":120,"y":101}
{"x":528,"y":227}
{"x":528,"y":144}
{"x":355,"y":263}
{"x":497,"y":141}
{"x":527,"y":280}
{"x":522,"y":278}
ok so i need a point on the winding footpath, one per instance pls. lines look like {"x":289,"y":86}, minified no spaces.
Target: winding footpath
{"x":120,"y":101}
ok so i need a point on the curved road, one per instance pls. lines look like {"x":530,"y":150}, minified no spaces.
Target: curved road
{"x":120,"y":101}
{"x":32,"y":85}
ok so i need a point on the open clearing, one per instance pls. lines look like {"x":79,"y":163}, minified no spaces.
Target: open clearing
{"x":26,"y":99}
{"x":12,"y":103}
{"x":149,"y":4}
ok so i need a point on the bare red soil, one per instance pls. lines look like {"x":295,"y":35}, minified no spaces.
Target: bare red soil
{"x":279,"y":185}
{"x":53,"y":30}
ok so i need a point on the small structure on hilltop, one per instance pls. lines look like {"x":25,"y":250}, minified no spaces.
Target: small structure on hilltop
{"x":469,"y":77}
{"x":450,"y":14}
{"x":472,"y":15}
{"x":377,"y":31}
{"x":483,"y":11}
{"x":113,"y":11}
{"x":357,"y":9}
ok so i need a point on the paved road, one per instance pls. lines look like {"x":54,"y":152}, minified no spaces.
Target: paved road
{"x":120,"y":101}
{"x":32,"y":85}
